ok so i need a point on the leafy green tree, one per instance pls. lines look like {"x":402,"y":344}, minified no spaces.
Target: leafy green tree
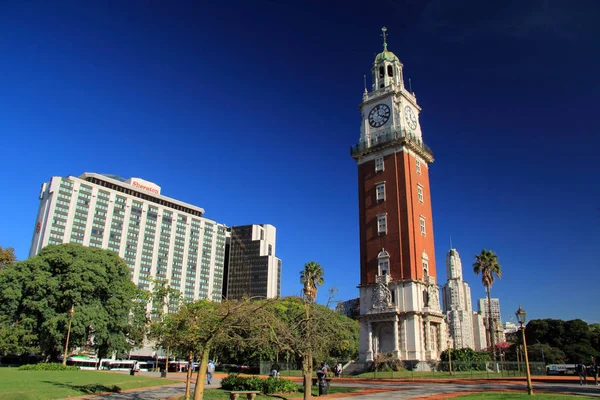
{"x":139,"y":319}
{"x":164,"y":298}
{"x":545,"y":353}
{"x":569,"y":341}
{"x":465,"y":359}
{"x":39,"y":292}
{"x":488,"y":266}
{"x":7,"y":257}
{"x":203,"y":327}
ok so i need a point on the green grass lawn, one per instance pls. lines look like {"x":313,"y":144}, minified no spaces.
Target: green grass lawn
{"x":39,"y":385}
{"x":518,"y":396}
{"x":220,"y":394}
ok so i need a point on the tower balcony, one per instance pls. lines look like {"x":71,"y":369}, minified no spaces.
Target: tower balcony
{"x":392,"y":138}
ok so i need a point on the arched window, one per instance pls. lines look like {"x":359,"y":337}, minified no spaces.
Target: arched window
{"x":383,"y":262}
{"x":381,"y":72}
{"x":390,"y":71}
{"x":425,"y":264}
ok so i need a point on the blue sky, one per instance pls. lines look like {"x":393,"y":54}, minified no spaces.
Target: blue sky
{"x":249,"y":109}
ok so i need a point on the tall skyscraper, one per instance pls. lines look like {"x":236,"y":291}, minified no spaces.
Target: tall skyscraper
{"x":252,"y":268}
{"x":399,"y":298}
{"x":496,"y":318}
{"x":157,"y":236}
{"x":456,"y":296}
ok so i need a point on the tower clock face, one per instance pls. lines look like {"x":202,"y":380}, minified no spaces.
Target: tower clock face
{"x":411,"y":118}
{"x":379,"y":115}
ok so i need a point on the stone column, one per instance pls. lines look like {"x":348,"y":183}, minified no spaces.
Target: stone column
{"x":427,"y":335}
{"x":396,"y":344}
{"x":370,"y":348}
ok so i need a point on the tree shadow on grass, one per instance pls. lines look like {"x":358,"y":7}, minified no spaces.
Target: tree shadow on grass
{"x":92,"y":388}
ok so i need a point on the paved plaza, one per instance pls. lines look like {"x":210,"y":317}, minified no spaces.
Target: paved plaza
{"x":395,"y":390}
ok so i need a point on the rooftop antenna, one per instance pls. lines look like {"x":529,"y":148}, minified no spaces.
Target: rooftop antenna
{"x":384,"y":30}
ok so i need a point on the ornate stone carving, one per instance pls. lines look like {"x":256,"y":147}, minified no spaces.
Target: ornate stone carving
{"x":434,"y":297}
{"x":382,"y":296}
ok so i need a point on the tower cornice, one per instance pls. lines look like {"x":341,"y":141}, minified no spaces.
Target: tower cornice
{"x":394,"y":138}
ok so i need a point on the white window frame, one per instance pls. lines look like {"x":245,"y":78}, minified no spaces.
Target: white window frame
{"x":422,"y":225}
{"x":382,"y":224}
{"x":420,"y":192}
{"x":383,"y":262}
{"x":418,"y":165}
{"x":379,"y":197}
{"x":379,"y":165}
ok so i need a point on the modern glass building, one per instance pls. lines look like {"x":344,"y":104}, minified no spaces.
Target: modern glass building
{"x":157,"y":236}
{"x":253,"y":270}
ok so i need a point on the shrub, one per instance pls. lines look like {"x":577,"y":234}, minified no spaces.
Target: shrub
{"x":47,"y":367}
{"x":264,"y":385}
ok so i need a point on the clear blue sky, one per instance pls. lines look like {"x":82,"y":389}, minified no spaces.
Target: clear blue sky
{"x":249,"y":109}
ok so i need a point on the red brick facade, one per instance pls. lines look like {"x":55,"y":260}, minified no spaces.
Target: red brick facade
{"x":403,"y":241}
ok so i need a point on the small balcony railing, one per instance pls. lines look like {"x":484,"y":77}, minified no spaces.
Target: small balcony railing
{"x":390,"y":138}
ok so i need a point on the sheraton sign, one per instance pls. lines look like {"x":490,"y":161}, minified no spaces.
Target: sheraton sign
{"x":144,"y":185}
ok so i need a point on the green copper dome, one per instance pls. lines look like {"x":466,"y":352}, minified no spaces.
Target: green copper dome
{"x":386,"y":55}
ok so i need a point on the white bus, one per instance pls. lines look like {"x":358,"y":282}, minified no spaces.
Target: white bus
{"x":83,"y":362}
{"x":561,"y":369}
{"x":125,"y":365}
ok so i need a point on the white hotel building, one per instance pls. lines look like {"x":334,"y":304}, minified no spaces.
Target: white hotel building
{"x":157,"y":236}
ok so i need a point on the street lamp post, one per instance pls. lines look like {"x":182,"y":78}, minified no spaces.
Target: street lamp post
{"x":71,"y":312}
{"x":450,"y":356}
{"x":521,"y":315}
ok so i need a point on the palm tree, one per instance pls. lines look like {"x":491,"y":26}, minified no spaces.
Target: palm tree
{"x":311,"y":276}
{"x":487,"y":264}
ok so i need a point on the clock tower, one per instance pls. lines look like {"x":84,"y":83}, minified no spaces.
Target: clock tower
{"x":399,"y":297}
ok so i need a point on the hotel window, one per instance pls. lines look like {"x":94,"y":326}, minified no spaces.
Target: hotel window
{"x":420,"y":192}
{"x":418,"y":165}
{"x":382,"y":223}
{"x":379,"y":164}
{"x":380,"y":191}
{"x":422,"y":223}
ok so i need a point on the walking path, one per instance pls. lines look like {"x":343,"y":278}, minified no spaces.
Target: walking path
{"x":385,"y":389}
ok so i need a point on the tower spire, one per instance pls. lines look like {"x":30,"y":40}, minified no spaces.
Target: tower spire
{"x":383,"y":30}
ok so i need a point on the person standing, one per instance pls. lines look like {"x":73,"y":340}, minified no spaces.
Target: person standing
{"x":210,"y":370}
{"x":581,"y":372}
{"x":594,"y":370}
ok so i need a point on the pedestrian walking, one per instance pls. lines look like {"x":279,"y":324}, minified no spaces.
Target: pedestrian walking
{"x":594,"y":370}
{"x":581,"y":372}
{"x":210,"y":370}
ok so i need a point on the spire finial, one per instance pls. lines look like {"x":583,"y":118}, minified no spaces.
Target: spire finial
{"x":365,"y":80}
{"x":384,"y":29}
{"x":450,"y":242}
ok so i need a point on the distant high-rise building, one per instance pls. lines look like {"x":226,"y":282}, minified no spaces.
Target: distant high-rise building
{"x":252,"y":268}
{"x":157,"y":236}
{"x":457,"y":303}
{"x":349,"y":308}
{"x":496,"y":317}
{"x":479,"y":332}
